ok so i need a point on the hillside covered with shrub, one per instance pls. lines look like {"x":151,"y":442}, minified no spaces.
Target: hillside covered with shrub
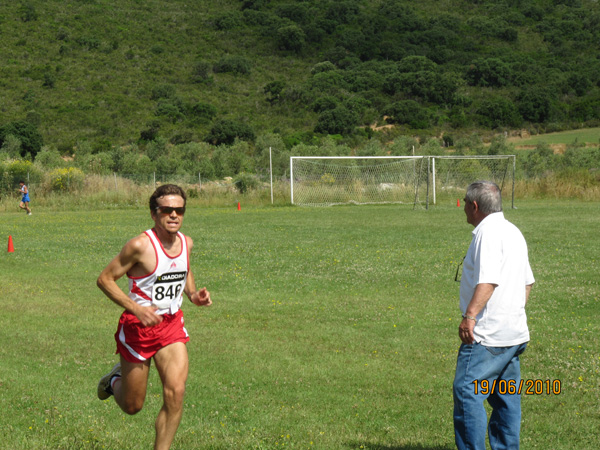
{"x":139,"y":86}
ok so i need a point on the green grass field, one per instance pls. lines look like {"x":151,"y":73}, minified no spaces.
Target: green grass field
{"x":332,"y":328}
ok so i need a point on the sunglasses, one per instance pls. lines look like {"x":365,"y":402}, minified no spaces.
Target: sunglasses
{"x":168,"y":210}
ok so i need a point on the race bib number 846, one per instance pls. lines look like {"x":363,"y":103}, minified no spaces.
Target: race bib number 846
{"x":167,"y":288}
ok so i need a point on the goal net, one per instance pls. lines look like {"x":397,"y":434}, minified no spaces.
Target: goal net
{"x":416,"y":180}
{"x":327,"y":181}
{"x":450,"y":176}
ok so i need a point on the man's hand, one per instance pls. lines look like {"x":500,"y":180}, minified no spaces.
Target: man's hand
{"x":147,"y":315}
{"x":465,"y":331}
{"x":201,"y":298}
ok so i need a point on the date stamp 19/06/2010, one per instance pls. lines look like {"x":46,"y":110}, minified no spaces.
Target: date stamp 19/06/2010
{"x":518,"y":387}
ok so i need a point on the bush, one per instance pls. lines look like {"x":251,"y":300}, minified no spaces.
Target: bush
{"x":324,"y":66}
{"x":69,"y":179}
{"x":150,"y":133}
{"x":167,"y":165}
{"x":239,"y":158}
{"x":11,"y":146}
{"x":99,"y":163}
{"x":134,"y":163}
{"x":203,"y":111}
{"x":539,"y":161}
{"x":324,"y":103}
{"x":162,"y":91}
{"x":238,"y":65}
{"x":11,"y":172}
{"x":49,"y":158}
{"x":229,"y":20}
{"x":49,"y":80}
{"x":27,"y":12}
{"x":291,"y":38}
{"x":168,"y":109}
{"x":88,"y":42}
{"x":245,"y":182}
{"x":201,"y":73}
{"x":273,"y":91}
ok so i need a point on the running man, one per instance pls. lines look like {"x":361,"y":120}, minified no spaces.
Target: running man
{"x":157,"y":265}
{"x":25,"y":199}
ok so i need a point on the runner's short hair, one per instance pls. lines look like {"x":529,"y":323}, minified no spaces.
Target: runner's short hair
{"x":166,"y":189}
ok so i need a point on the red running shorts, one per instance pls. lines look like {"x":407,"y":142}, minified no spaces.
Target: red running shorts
{"x":137,"y":343}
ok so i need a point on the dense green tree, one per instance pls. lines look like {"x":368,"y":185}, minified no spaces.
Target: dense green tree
{"x":325,"y":103}
{"x":225,"y":131}
{"x":407,"y":112}
{"x":497,"y":112}
{"x":295,"y":11}
{"x":488,"y":72}
{"x":535,"y":104}
{"x":339,"y":120}
{"x":587,"y":108}
{"x":27,"y":133}
{"x":229,"y":20}
{"x":427,"y":85}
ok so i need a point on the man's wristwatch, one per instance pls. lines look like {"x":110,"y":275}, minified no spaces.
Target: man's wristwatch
{"x":469,"y":317}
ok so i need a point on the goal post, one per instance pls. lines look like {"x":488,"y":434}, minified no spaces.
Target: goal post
{"x":335,"y":180}
{"x":450,"y":175}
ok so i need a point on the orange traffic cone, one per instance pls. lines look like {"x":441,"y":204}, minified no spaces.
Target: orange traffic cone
{"x":239,"y":206}
{"x":458,"y":202}
{"x":11,"y":247}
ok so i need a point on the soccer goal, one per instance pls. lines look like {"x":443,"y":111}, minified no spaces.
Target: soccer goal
{"x":335,"y":180}
{"x":450,"y":175}
{"x":416,"y":180}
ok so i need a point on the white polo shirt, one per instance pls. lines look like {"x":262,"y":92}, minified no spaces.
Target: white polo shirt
{"x":498,"y":255}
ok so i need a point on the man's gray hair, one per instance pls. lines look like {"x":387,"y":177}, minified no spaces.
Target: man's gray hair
{"x":487,"y":195}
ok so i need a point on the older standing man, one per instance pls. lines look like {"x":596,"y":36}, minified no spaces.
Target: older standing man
{"x":494,"y":287}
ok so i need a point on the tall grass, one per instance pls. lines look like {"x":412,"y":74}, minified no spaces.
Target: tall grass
{"x":574,"y":184}
{"x":109,"y":192}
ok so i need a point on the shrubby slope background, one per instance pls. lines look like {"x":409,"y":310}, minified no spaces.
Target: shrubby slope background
{"x":118,"y":85}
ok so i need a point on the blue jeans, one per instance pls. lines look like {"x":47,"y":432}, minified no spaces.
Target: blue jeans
{"x":476,"y":363}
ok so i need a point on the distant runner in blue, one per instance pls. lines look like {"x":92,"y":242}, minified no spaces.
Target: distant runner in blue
{"x":25,"y":199}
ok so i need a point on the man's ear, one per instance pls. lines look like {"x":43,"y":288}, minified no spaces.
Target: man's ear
{"x":475,"y":205}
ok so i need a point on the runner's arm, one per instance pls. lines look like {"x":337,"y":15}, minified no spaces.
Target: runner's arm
{"x":129,"y":256}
